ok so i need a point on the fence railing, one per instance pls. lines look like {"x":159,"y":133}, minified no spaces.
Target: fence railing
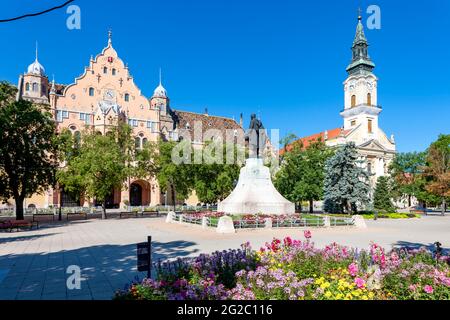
{"x":298,"y":222}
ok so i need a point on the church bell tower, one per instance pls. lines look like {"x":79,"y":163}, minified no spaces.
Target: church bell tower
{"x":360,"y":88}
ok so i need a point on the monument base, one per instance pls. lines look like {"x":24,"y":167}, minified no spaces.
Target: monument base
{"x":255,"y":193}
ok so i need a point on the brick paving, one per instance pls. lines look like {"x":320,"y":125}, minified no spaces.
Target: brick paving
{"x":33,"y":264}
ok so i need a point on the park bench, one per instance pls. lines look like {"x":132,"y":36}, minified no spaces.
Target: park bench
{"x":15,"y":224}
{"x":150,"y":213}
{"x":76,"y":214}
{"x":39,"y":217}
{"x":126,"y":214}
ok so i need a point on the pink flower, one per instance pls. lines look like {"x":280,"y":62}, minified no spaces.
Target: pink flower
{"x":412,"y":287}
{"x":428,"y":289}
{"x":360,"y":283}
{"x":307,"y":234}
{"x":353,"y":269}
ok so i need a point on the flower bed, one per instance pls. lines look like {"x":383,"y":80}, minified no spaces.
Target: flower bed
{"x":297,"y":270}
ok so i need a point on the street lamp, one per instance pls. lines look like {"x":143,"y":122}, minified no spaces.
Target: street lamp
{"x":60,"y":203}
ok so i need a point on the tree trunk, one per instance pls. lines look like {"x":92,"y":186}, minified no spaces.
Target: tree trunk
{"x":444,"y":204}
{"x":19,"y":209}
{"x":311,"y":206}
{"x":409,"y":201}
{"x":103,"y":210}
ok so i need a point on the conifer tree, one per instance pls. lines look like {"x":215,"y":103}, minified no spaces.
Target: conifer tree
{"x":382,"y":197}
{"x":346,"y":185}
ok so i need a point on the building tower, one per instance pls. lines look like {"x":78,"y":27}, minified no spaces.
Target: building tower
{"x":33,"y":85}
{"x":360,"y":88}
{"x":160,"y":101}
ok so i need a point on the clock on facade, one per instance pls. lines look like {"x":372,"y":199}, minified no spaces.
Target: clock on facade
{"x":109,"y":94}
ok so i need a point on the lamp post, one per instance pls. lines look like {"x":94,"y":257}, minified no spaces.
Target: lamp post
{"x":60,"y":203}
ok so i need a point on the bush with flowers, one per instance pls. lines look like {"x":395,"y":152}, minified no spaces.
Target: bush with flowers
{"x":296,"y":270}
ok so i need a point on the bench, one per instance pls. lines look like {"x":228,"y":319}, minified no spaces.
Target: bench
{"x":76,"y":214}
{"x":45,"y":216}
{"x":150,"y":213}
{"x":128,"y":214}
{"x":18,"y":224}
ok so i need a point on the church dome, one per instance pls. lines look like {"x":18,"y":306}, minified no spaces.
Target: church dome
{"x":36,"y":68}
{"x":160,"y":92}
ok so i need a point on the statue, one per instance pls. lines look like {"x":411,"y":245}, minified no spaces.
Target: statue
{"x":255,"y":136}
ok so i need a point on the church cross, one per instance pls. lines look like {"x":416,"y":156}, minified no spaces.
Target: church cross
{"x":121,"y":81}
{"x":99,"y":77}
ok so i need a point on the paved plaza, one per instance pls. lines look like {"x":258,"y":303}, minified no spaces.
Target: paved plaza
{"x":33,"y":264}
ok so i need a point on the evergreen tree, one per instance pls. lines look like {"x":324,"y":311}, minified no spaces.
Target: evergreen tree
{"x":346,"y":182}
{"x":382,"y":197}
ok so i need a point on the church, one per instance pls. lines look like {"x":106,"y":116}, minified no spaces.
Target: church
{"x":102,"y":96}
{"x":361,"y":113}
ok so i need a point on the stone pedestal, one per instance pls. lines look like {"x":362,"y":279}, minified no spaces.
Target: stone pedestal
{"x":255,"y":193}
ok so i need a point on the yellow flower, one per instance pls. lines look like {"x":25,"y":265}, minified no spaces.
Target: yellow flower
{"x":364,"y":297}
{"x":371,"y":295}
{"x":339,"y":296}
{"x":328,"y":295}
{"x":348,"y":296}
{"x":325,"y":285}
{"x":280,"y":265}
{"x":356,"y":293}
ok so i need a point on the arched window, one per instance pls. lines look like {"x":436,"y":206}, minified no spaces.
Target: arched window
{"x":127,"y":97}
{"x":91,"y":92}
{"x":137,"y":142}
{"x":27,"y":87}
{"x":353,"y":101}
{"x":113,"y":72}
{"x":35,"y":87}
{"x":369,"y":167}
{"x":369,"y":99}
{"x":369,"y":126}
{"x":144,"y":142}
{"x":105,"y":70}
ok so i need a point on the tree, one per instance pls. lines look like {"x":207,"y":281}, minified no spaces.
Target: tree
{"x":406,"y":170}
{"x":438,"y":169}
{"x":215,"y":181}
{"x":382,"y":196}
{"x":346,"y":183}
{"x":27,"y":148}
{"x":173,"y":176}
{"x":302,"y":173}
{"x":98,"y":167}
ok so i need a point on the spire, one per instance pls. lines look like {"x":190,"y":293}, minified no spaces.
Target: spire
{"x":361,"y":62}
{"x":109,"y":37}
{"x":160,"y":77}
{"x":53,"y":88}
{"x":36,"y":67}
{"x":36,"y":51}
{"x":160,"y":92}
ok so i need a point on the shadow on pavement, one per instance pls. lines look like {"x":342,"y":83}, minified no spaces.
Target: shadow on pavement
{"x":414,"y":245}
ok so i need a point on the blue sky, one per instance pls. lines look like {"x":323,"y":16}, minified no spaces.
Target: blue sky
{"x":285,"y":59}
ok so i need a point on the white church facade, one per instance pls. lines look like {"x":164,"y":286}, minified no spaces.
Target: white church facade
{"x":361,"y":113}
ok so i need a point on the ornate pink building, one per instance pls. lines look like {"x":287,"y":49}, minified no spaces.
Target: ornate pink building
{"x":103,"y":95}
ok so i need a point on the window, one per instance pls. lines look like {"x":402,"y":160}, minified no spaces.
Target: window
{"x":59,"y":116}
{"x":369,"y":126}
{"x":152,"y":125}
{"x":353,"y":123}
{"x":144,"y":142}
{"x":353,"y":101}
{"x":65,"y":114}
{"x":91,"y":92}
{"x":137,"y":142}
{"x":105,"y":70}
{"x":27,"y":87}
{"x":82,"y":116}
{"x":369,"y":99}
{"x":113,"y":72}
{"x":132,"y":122}
{"x":35,"y":87}
{"x":127,"y":97}
{"x":44,"y":89}
{"x":369,"y":168}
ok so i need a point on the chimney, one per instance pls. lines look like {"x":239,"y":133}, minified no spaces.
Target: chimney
{"x":241,"y":120}
{"x":325,"y":135}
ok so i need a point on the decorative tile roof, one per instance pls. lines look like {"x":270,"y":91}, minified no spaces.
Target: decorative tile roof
{"x":186,"y":120}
